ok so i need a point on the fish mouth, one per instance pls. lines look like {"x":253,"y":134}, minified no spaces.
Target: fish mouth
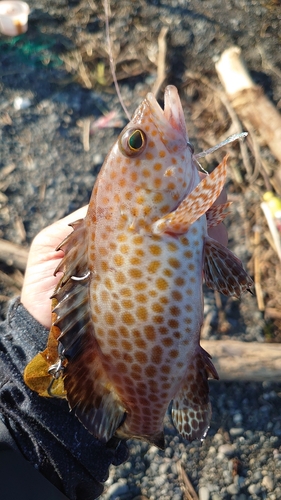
{"x":171,"y":119}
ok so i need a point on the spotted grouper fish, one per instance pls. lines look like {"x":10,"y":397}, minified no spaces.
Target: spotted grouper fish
{"x":129,"y":308}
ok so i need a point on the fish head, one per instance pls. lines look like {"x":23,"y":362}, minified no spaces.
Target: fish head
{"x":151,"y":164}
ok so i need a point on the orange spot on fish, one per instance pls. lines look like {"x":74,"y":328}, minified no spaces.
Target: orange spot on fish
{"x":120,"y":277}
{"x":155,"y":249}
{"x":149,"y":156}
{"x":157,"y":182}
{"x":157,"y":166}
{"x":149,"y":331}
{"x":127,"y":318}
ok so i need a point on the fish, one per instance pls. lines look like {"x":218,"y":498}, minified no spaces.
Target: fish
{"x":127,"y":313}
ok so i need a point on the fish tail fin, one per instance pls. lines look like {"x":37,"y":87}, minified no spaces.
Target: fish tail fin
{"x":191,"y":409}
{"x":223,"y":271}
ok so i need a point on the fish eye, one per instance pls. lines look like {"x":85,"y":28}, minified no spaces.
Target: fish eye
{"x":132,"y":142}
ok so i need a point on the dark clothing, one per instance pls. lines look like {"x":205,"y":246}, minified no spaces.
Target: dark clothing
{"x":43,"y":430}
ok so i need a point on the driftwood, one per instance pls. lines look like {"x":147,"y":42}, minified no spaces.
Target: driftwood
{"x":249,"y":100}
{"x":243,"y":361}
{"x":13,"y":255}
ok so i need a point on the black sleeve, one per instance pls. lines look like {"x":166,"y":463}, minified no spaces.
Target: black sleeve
{"x":43,"y":430}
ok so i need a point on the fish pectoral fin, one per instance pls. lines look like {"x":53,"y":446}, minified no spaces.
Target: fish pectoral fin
{"x":195,"y":204}
{"x":217,"y":213}
{"x":223,"y":271}
{"x":89,"y":392}
{"x":191,"y":409}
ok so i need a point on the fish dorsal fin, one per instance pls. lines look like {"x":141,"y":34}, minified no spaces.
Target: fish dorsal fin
{"x":195,"y":204}
{"x":191,"y":409}
{"x":217,"y":213}
{"x":74,"y":246}
{"x":223,"y":271}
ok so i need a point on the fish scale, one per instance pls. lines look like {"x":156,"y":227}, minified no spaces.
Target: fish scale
{"x":129,"y":308}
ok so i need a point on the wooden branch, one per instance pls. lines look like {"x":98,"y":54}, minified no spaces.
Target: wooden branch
{"x":247,"y":361}
{"x":13,"y":255}
{"x":161,"y":67}
{"x":249,"y":100}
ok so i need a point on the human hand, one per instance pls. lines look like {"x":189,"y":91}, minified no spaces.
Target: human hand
{"x":39,"y":281}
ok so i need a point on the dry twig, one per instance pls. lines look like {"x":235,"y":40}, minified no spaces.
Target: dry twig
{"x":13,"y":255}
{"x":189,"y":492}
{"x":161,"y":66}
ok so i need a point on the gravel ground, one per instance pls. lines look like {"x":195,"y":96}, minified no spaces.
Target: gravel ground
{"x":46,"y":173}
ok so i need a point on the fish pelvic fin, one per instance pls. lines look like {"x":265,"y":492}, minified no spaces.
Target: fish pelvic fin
{"x":195,"y":204}
{"x":223,"y":271}
{"x":217,"y":213}
{"x":191,"y":409}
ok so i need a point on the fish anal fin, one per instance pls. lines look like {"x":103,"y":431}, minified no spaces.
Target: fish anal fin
{"x":223,"y":271}
{"x":217,"y":213}
{"x":195,"y":204}
{"x":89,"y":392}
{"x":191,"y":409}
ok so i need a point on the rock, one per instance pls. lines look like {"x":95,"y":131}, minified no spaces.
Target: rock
{"x":204,"y":493}
{"x":257,"y":476}
{"x":233,"y":489}
{"x":254,"y":489}
{"x":226,"y":449}
{"x":117,"y":489}
{"x":237,"y":418}
{"x":236,"y":431}
{"x":21,"y":103}
{"x":268,"y":483}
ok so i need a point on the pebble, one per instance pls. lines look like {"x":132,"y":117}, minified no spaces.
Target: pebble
{"x":117,"y":489}
{"x":236,"y":431}
{"x":268,"y":483}
{"x":237,"y":418}
{"x":257,"y":476}
{"x":254,"y":489}
{"x":226,"y":449}
{"x":233,"y":489}
{"x":204,"y":493}
{"x":21,"y":103}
